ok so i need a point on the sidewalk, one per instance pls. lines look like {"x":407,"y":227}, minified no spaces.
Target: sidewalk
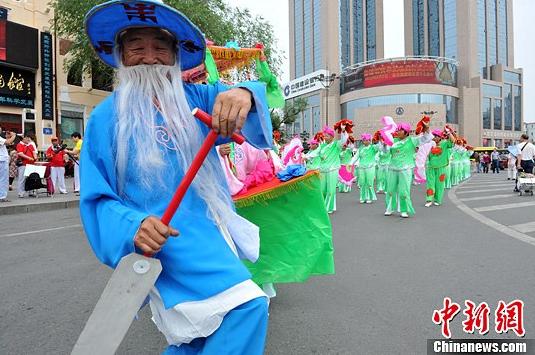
{"x":40,"y":203}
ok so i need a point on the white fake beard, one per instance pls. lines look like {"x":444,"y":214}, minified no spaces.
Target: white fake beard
{"x":139,"y":87}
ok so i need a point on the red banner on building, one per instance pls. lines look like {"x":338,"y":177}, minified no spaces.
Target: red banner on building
{"x":409,"y":71}
{"x":417,"y":72}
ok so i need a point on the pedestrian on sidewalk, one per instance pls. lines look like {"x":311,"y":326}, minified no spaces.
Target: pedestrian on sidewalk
{"x":6,"y":138}
{"x":57,"y":159}
{"x":26,"y":155}
{"x":511,"y":167}
{"x":477,"y":160}
{"x":495,"y":157}
{"x":486,"y":162}
{"x":12,"y":166}
{"x":139,"y":142}
{"x":75,"y":155}
{"x":524,"y":159}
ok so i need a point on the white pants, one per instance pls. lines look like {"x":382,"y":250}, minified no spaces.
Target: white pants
{"x":511,"y":171}
{"x":4,"y":178}
{"x":57,"y":174}
{"x":21,"y":180}
{"x":77,"y":176}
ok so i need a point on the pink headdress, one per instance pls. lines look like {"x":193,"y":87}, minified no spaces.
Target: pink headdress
{"x":366,"y":137}
{"x":328,"y":130}
{"x":404,"y":126}
{"x":437,"y":133}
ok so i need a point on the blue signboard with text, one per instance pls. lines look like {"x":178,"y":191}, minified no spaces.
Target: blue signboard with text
{"x":47,"y":76}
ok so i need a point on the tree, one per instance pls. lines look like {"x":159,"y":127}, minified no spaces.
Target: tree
{"x":289,"y":113}
{"x":218,"y":21}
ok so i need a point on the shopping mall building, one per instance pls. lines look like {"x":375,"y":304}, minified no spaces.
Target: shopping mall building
{"x":458,"y":67}
{"x":35,"y":93}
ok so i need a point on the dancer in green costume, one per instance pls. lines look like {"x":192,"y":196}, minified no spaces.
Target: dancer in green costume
{"x":438,"y":161}
{"x":466,"y":162}
{"x":456,"y":163}
{"x":382,"y":170}
{"x":447,"y":183}
{"x":345,"y":173}
{"x":367,"y":156}
{"x":312,"y":157}
{"x":383,"y":161}
{"x":399,"y":177}
{"x":330,"y":164}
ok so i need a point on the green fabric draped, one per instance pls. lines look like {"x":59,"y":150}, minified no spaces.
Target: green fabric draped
{"x":295,"y":242}
{"x":273,"y":90}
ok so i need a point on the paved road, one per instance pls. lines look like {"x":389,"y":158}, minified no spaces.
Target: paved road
{"x":391,"y":274}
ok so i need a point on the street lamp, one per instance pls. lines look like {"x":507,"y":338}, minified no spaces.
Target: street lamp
{"x":326,"y":82}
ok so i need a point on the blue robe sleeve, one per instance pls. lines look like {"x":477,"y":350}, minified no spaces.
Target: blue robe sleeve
{"x":110,"y":225}
{"x":257,"y":129}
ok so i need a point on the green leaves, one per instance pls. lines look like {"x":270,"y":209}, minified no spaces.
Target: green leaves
{"x":218,"y":21}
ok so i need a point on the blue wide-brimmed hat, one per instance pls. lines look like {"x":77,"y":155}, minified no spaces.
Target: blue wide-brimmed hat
{"x":104,"y":23}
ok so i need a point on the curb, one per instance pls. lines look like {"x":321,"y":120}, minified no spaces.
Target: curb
{"x":38,"y":207}
{"x":486,"y":220}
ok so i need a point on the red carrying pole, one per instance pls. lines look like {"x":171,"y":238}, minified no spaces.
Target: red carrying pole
{"x":189,"y":176}
{"x":195,"y":164}
{"x":207,"y":120}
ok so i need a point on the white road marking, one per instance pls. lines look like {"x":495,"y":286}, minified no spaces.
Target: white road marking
{"x":485,"y":197}
{"x":39,"y":231}
{"x":504,"y":207}
{"x":489,"y":222}
{"x":524,"y":227}
{"x":485,"y":190}
{"x":471,"y":186}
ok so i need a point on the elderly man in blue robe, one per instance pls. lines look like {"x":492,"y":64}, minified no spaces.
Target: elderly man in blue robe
{"x":138,"y":144}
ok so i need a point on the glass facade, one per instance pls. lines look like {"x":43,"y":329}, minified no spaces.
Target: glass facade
{"x":348,"y":108}
{"x":508,"y":107}
{"x":450,"y":28}
{"x":492,"y":90}
{"x":318,"y":60}
{"x":358,"y":33}
{"x":71,"y":121}
{"x":502,"y":32}
{"x":310,"y":119}
{"x":511,"y":77}
{"x":298,"y":38}
{"x":481,"y":37}
{"x":418,"y":27}
{"x":316,"y":119}
{"x":344,"y":33}
{"x":307,"y":121}
{"x":497,"y":111}
{"x":491,"y":33}
{"x":518,"y":107}
{"x":307,"y":34}
{"x":433,"y":27}
{"x":451,"y":109}
{"x":485,"y":109}
{"x":371,"y":40}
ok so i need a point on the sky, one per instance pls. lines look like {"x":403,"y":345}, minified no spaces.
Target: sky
{"x":277,"y":13}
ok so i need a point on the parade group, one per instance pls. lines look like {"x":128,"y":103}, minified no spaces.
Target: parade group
{"x":388,"y":162}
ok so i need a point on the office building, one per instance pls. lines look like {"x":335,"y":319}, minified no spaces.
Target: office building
{"x":458,"y":67}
